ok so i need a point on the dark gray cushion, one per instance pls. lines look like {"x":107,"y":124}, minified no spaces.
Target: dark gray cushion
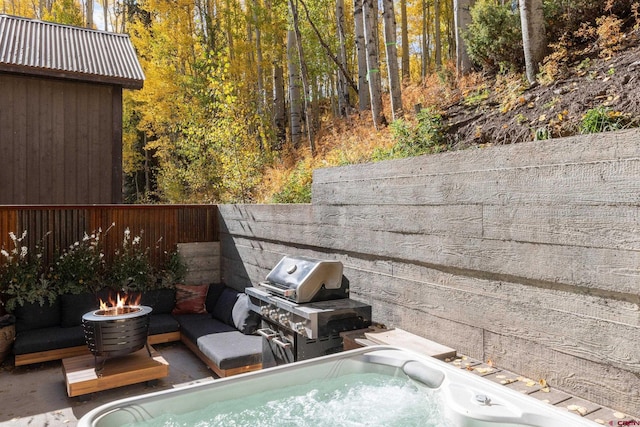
{"x":223,"y":310}
{"x":193,"y":326}
{"x":45,"y":339}
{"x":231,"y":349}
{"x":215,"y":290}
{"x":162,"y":324}
{"x":161,"y":301}
{"x":245,"y":320}
{"x":75,"y":306}
{"x":34,"y":316}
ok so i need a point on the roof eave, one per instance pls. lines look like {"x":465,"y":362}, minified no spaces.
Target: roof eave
{"x":93,"y":78}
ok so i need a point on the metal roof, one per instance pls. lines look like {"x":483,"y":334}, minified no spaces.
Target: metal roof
{"x":30,"y":46}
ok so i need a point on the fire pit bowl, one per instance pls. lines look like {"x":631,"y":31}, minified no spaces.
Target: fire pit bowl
{"x":116,"y":331}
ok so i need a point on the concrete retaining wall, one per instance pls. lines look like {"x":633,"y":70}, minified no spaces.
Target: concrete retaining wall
{"x":527,"y":254}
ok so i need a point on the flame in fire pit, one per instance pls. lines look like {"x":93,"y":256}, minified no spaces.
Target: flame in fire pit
{"x":121,"y":305}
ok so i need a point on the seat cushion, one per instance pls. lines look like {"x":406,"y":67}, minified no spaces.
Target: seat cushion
{"x":45,"y":339}
{"x":193,"y":326}
{"x":231,"y":350}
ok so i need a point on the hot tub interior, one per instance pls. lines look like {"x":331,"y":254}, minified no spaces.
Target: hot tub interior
{"x":375,"y":386}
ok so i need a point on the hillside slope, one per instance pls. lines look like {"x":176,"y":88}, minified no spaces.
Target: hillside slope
{"x":592,"y":92}
{"x":552,"y":110}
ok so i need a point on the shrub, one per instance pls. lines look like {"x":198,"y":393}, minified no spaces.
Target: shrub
{"x":130,"y":270}
{"x":569,"y":16}
{"x":21,"y":278}
{"x":476,"y":97}
{"x":297,"y":187}
{"x":80,"y":268}
{"x":603,"y":119}
{"x":174,"y":269}
{"x":556,"y":63}
{"x":610,"y":34}
{"x":494,"y":38}
{"x":426,"y":136}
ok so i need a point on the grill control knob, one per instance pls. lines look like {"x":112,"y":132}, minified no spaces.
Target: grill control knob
{"x":299,"y":328}
{"x":273,"y":313}
{"x":264,"y":310}
{"x":283,"y":318}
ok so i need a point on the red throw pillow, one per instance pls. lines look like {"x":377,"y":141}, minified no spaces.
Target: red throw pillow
{"x":190,"y":299}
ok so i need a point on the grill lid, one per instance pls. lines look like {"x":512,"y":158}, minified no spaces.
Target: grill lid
{"x":303,"y":279}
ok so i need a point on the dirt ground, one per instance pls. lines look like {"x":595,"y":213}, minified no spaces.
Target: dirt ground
{"x":503,"y":114}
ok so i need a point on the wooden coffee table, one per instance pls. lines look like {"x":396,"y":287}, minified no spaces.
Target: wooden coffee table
{"x":81,"y":378}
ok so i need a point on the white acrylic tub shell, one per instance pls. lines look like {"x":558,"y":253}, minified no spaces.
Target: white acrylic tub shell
{"x":468,"y":400}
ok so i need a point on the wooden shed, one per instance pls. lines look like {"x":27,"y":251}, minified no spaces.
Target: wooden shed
{"x":61,"y":112}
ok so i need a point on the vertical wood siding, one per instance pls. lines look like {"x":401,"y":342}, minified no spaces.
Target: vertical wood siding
{"x":60,"y":142}
{"x":161,"y":227}
{"x":528,"y":254}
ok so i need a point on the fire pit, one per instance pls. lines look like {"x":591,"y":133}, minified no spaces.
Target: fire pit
{"x":116,"y":330}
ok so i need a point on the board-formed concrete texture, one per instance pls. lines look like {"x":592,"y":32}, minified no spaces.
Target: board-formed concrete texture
{"x":527,"y":255}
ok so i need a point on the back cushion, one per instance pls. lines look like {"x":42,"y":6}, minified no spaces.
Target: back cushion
{"x":223,"y":310}
{"x":215,"y":290}
{"x":190,"y":299}
{"x":34,"y":316}
{"x":75,"y":306}
{"x":246,"y":320}
{"x":161,"y":301}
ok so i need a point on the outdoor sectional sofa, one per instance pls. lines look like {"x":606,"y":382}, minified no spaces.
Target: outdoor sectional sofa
{"x":213,"y":321}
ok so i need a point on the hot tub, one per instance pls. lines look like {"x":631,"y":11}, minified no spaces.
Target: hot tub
{"x":371,"y":386}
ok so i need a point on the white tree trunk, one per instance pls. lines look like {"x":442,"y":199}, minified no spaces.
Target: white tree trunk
{"x":369,"y":14}
{"x":533,"y":36}
{"x":404,"y":31}
{"x":295,"y":101}
{"x":105,"y":12}
{"x":364,"y":101}
{"x":438,"y":47}
{"x":462,"y":18}
{"x":308,"y":105}
{"x":89,"y":13}
{"x":259,"y":59}
{"x":389,"y":19}
{"x":229,"y":28}
{"x":425,"y":39}
{"x":344,"y":105}
{"x":279,"y":107}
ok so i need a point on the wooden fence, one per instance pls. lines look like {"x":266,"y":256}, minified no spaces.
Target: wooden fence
{"x":160,"y":227}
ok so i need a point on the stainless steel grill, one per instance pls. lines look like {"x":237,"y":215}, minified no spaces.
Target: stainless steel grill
{"x":304,"y":280}
{"x":304,"y":305}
